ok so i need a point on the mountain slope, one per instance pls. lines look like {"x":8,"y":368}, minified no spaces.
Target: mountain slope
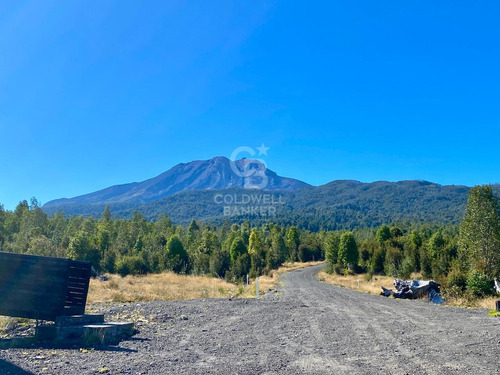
{"x":216,"y":173}
{"x":339,"y":204}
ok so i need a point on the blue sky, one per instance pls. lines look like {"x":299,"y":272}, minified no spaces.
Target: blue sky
{"x":99,"y":93}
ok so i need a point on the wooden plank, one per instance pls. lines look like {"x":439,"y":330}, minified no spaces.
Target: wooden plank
{"x":75,"y":281}
{"x":74,"y":299}
{"x":34,"y":293}
{"x":21,"y":269}
{"x":35,"y":272}
{"x":55,"y":305}
{"x":77,"y":288}
{"x":8,"y":286}
{"x":35,"y":279}
{"x":78,"y":274}
{"x":34,"y":258}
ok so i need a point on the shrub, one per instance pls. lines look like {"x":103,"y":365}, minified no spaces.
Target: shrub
{"x":479,"y":285}
{"x":337,"y":268}
{"x":457,"y":279}
{"x":368,"y":276}
{"x":131,"y":265}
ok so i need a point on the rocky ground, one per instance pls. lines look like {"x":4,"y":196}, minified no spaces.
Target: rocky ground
{"x":307,"y":327}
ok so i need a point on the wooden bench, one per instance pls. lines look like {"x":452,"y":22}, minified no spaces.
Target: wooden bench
{"x":42,"y":288}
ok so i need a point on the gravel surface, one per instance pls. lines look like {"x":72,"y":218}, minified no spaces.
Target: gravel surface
{"x":307,"y":327}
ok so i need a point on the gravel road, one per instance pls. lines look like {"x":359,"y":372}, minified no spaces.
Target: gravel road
{"x":306,"y":328}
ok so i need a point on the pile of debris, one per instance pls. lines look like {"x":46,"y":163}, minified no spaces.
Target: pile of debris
{"x":413,"y":289}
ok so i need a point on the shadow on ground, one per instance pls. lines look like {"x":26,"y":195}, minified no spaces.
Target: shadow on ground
{"x":7,"y":368}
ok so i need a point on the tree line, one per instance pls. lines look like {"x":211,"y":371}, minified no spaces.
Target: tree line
{"x":139,"y":246}
{"x":464,"y":257}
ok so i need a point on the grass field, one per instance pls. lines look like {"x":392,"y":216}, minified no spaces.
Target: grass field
{"x":170,"y":286}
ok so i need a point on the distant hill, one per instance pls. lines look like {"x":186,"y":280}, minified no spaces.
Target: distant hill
{"x":216,"y":173}
{"x":212,"y":192}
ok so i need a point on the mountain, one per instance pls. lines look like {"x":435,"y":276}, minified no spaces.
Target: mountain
{"x":210,"y":191}
{"x":216,"y":173}
{"x":340,"y":204}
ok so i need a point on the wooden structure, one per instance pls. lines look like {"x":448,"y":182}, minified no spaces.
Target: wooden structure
{"x":42,"y":288}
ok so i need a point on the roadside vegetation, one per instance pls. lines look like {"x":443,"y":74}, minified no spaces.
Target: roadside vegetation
{"x":464,"y":259}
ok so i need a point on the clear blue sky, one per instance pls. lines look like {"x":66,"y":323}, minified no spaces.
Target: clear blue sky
{"x":97,"y":93}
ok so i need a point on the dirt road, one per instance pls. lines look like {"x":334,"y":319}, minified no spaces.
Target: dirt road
{"x":307,"y":328}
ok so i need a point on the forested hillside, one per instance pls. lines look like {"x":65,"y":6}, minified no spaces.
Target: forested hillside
{"x":337,"y":205}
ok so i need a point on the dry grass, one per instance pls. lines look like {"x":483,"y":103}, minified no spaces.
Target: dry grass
{"x":373,"y":287}
{"x":488,"y":303}
{"x":3,"y":322}
{"x":165,"y":286}
{"x":170,"y":286}
{"x":358,"y":282}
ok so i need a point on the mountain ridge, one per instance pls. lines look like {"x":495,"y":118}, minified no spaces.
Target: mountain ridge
{"x":216,"y":173}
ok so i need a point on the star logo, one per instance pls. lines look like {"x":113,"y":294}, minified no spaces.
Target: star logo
{"x":262,"y":149}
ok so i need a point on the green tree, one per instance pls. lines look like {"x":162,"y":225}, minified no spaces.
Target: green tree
{"x":220,"y":261}
{"x":293,"y":242}
{"x":348,"y":251}
{"x":332,"y":248}
{"x":393,"y":261}
{"x":240,"y":267}
{"x":278,"y":250}
{"x":80,"y":247}
{"x":257,"y":253}
{"x":192,"y":231}
{"x":383,"y":234}
{"x":479,"y":238}
{"x":177,"y":257}
{"x":106,"y":215}
{"x":254,"y":244}
{"x":237,"y":249}
{"x":396,"y":232}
